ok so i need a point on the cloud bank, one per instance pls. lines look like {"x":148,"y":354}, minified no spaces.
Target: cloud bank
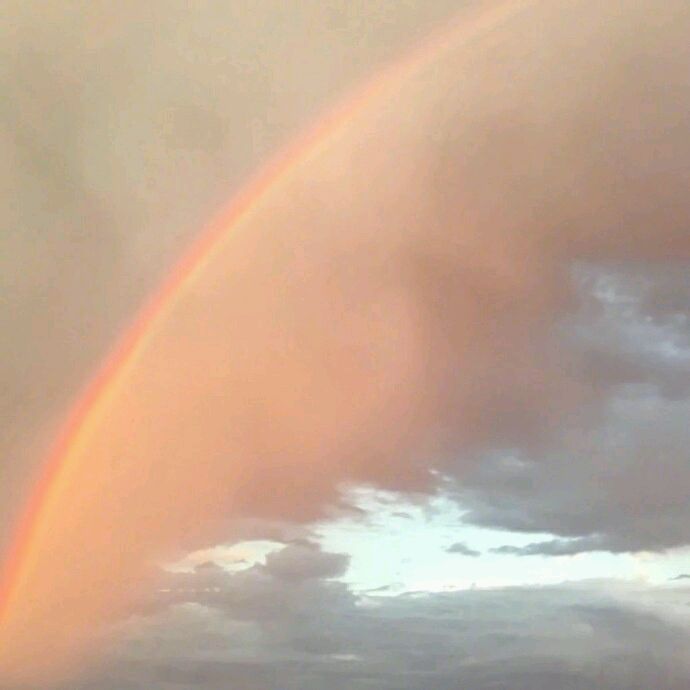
{"x":574,"y":636}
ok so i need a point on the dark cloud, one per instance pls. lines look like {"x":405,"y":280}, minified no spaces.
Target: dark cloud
{"x":612,"y":477}
{"x":617,"y":484}
{"x":463,"y":550}
{"x":569,"y":636}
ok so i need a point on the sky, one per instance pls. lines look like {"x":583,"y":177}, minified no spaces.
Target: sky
{"x":423,"y":422}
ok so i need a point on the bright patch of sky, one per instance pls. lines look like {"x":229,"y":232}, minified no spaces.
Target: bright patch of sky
{"x":406,"y":546}
{"x":399,"y":545}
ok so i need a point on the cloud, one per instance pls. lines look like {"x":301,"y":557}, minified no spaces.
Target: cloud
{"x":462,"y":549}
{"x":554,"y":547}
{"x":292,"y":581}
{"x":629,"y":469}
{"x":304,"y":560}
{"x":595,"y":634}
{"x":428,"y":298}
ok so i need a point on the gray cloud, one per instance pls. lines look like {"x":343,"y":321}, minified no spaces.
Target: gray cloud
{"x":568,"y":636}
{"x":615,"y":485}
{"x":302,"y":561}
{"x":292,"y":580}
{"x":463,"y":550}
{"x":556,"y":547}
{"x":612,"y":476}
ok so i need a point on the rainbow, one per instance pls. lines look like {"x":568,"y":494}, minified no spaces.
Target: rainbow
{"x":61,"y":468}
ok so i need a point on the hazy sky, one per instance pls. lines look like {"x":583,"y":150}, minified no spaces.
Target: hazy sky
{"x":457,"y":342}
